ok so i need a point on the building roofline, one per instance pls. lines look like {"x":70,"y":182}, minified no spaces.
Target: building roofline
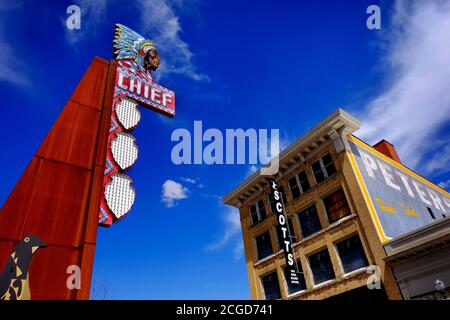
{"x":401,"y":164}
{"x":418,"y":239}
{"x":331,"y":127}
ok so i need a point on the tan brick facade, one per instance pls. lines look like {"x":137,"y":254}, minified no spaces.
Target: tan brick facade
{"x":311,"y":148}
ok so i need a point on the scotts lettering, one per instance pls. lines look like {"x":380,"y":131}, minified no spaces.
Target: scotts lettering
{"x":291,"y":264}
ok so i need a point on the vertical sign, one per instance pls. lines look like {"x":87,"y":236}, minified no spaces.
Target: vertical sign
{"x":136,"y":58}
{"x":277,"y":200}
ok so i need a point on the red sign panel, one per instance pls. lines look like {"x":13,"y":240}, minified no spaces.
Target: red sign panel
{"x":136,"y":83}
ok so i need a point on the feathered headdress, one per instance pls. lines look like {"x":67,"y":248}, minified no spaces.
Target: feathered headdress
{"x":129,"y":44}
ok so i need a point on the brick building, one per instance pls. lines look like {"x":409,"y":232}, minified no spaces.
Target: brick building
{"x":336,"y":214}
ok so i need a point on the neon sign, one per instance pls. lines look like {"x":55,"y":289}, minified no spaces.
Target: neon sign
{"x":136,"y":58}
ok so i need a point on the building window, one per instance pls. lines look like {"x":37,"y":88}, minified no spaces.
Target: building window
{"x":264,"y":245}
{"x":323,"y":168}
{"x":309,"y":221}
{"x":293,"y":288}
{"x":336,"y":206}
{"x":257,"y":212}
{"x":321,"y":266}
{"x":273,"y":202}
{"x":271,"y":286}
{"x":280,"y":234}
{"x":299,"y":184}
{"x":352,"y":254}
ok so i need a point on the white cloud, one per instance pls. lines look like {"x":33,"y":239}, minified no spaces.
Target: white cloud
{"x":172,"y":192}
{"x":193,"y":181}
{"x":12,"y":68}
{"x":232,"y":228}
{"x":238,"y":250}
{"x":160,"y":22}
{"x":189,"y":180}
{"x":440,"y":161}
{"x":444,"y":184}
{"x":415,"y":104}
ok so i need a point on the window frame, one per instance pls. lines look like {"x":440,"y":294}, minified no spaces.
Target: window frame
{"x":262,"y":284}
{"x":256,"y":245}
{"x":298,"y":184}
{"x":258,"y":211}
{"x":327,"y":166}
{"x":300,"y":223}
{"x":350,"y":212}
{"x":308,"y":257}
{"x":323,"y":168}
{"x":338,"y":254}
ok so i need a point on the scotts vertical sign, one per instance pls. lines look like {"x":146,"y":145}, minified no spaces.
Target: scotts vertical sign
{"x":277,"y":200}
{"x":399,"y":200}
{"x":136,"y":58}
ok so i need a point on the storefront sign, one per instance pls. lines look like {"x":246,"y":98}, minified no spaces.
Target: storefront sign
{"x":291,"y":265}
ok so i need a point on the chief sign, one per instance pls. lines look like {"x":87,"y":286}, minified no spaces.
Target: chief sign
{"x":137,"y":57}
{"x":400,"y":200}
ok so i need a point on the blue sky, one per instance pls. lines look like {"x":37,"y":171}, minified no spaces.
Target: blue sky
{"x":232,"y":64}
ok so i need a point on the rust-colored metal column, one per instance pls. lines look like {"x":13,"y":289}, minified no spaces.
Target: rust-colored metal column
{"x":58,"y":196}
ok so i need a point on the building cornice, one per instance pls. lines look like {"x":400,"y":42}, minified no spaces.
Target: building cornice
{"x":418,"y":241}
{"x":333,"y":128}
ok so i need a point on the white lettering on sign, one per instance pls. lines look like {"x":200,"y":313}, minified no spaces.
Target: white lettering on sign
{"x":395,"y":179}
{"x":369,"y":164}
{"x":284,"y":229}
{"x":388,"y":176}
{"x":447,"y":202}
{"x":166,"y":99}
{"x":404,"y":179}
{"x":156,"y":95}
{"x":421,"y":193}
{"x":144,"y":90}
{"x":120,"y":82}
{"x":279,"y":207}
{"x":281,"y":218}
{"x":135,"y":87}
{"x":436,"y":200}
{"x":276,"y":201}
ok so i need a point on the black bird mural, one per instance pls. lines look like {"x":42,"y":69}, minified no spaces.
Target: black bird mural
{"x":14,"y":277}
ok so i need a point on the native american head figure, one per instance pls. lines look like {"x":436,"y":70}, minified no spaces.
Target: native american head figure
{"x":129,"y":44}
